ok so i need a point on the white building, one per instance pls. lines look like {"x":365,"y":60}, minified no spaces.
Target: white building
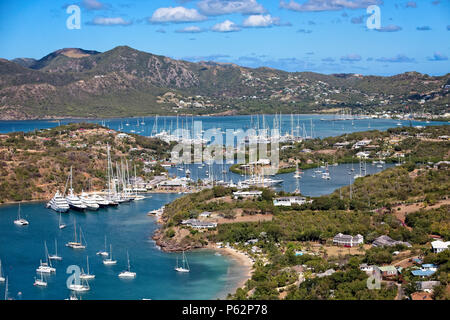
{"x":247,"y":194}
{"x":288,"y":201}
{"x":347,"y":240}
{"x":439,"y":246}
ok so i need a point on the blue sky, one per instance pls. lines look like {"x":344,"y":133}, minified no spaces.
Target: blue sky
{"x":326,"y":36}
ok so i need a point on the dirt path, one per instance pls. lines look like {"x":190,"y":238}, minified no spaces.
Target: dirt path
{"x":406,"y":209}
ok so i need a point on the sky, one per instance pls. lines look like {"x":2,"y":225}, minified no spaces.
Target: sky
{"x":325,"y":36}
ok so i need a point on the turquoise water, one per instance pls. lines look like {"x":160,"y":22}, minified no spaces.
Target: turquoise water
{"x":309,"y":185}
{"x":128,"y":228}
{"x":319,"y":128}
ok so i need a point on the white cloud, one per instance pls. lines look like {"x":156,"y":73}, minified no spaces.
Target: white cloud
{"x":100,"y":21}
{"x":176,"y":14}
{"x":327,"y":5}
{"x":226,"y":26}
{"x":261,"y":21}
{"x":190,"y":29}
{"x":220,"y":7}
{"x":93,"y":5}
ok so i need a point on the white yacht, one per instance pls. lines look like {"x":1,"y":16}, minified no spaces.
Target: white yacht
{"x":88,"y":275}
{"x":74,"y":201}
{"x":127,"y":274}
{"x":102,"y":202}
{"x":20,"y":221}
{"x":46,"y":267}
{"x":109,"y":261}
{"x":185,"y":267}
{"x":58,"y":203}
{"x":261,"y":182}
{"x":89,"y":202}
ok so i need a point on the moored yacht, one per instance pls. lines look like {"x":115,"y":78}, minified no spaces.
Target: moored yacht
{"x":74,"y":201}
{"x":58,"y":203}
{"x":89,"y":202}
{"x":102,"y":202}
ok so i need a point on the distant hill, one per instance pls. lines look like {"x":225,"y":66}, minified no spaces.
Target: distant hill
{"x":127,"y":82}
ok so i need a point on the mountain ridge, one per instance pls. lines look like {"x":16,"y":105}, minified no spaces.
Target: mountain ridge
{"x":127,"y":82}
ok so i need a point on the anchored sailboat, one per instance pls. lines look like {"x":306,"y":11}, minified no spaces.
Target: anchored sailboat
{"x":75,"y":244}
{"x":103,"y":253}
{"x":20,"y":221}
{"x":40,"y":282}
{"x":127,"y":274}
{"x":185,"y":267}
{"x":109,"y":261}
{"x":55,"y":256}
{"x":86,"y":276}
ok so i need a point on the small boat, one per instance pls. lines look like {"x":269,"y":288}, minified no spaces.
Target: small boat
{"x":2,"y":278}
{"x":109,"y":261}
{"x":20,"y":221}
{"x":40,"y":282}
{"x":60,"y":224}
{"x":298,"y":173}
{"x":86,"y":276}
{"x":103,"y":253}
{"x":55,"y":256}
{"x":79,"y":287}
{"x":127,"y":274}
{"x":72,"y":297}
{"x":75,"y":244}
{"x":185,"y":267}
{"x":46,"y":267}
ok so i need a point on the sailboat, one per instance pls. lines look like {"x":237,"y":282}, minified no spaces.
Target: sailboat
{"x":298,"y":173}
{"x":40,"y":282}
{"x":127,"y":274}
{"x":46,"y":267}
{"x":103,"y":253}
{"x":55,"y":256}
{"x":109,"y":261}
{"x":60,"y":224}
{"x":2,"y":279}
{"x":185,"y":267}
{"x":20,"y":221}
{"x":86,"y":276}
{"x":74,"y":244}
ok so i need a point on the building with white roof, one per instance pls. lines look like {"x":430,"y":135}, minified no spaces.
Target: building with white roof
{"x":439,"y":246}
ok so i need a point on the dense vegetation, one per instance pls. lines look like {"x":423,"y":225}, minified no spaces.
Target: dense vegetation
{"x":34,"y":165}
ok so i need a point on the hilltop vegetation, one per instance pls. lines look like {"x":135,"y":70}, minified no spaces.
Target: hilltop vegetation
{"x":34,"y":165}
{"x":128,"y":82}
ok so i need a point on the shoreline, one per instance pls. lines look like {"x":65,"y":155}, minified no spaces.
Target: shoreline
{"x":240,"y":259}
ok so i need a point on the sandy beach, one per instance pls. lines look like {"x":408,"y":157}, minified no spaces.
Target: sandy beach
{"x":244,"y":261}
